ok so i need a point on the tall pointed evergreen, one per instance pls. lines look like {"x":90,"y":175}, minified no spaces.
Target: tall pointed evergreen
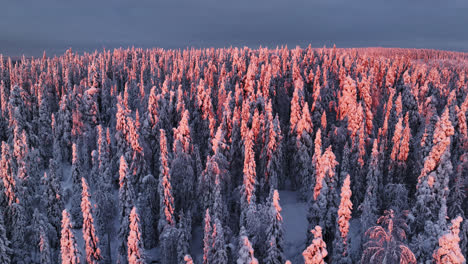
{"x":77,"y":174}
{"x":274,"y":242}
{"x":167,"y":231}
{"x":93,"y":251}
{"x":370,"y":206}
{"x":126,"y":203}
{"x":68,"y":247}
{"x":5,"y":247}
{"x":219,"y":255}
{"x":340,"y":245}
{"x":135,"y":241}
{"x":246,"y":252}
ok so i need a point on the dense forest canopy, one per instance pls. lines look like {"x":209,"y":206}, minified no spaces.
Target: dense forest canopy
{"x":121,"y":156}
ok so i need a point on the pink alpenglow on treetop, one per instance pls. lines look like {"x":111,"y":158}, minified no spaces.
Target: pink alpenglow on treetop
{"x":135,"y":241}
{"x":449,"y":249}
{"x":68,"y":247}
{"x":188,"y":259}
{"x":316,"y":252}
{"x":246,"y":253}
{"x":344,"y":211}
{"x":305,"y":123}
{"x":168,"y":201}
{"x":325,"y":167}
{"x":441,"y":140}
{"x":249,"y":168}
{"x":182,"y":133}
{"x":93,"y":253}
{"x":277,"y":205}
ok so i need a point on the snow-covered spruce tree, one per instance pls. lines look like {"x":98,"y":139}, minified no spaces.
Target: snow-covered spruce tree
{"x":262,"y":148}
{"x":151,"y":128}
{"x":218,"y":254}
{"x":296,"y":108}
{"x":188,"y":259}
{"x":56,"y":147}
{"x":457,"y":192}
{"x":167,"y":231}
{"x":19,"y":110}
{"x":370,"y":205}
{"x":246,"y":252}
{"x":348,"y":105}
{"x":17,"y":227}
{"x":90,"y":236}
{"x":41,"y":230}
{"x":216,"y":181}
{"x":455,"y":200}
{"x":44,"y":247}
{"x":45,"y":130}
{"x":316,"y":252}
{"x":430,"y":210}
{"x":303,"y":166}
{"x":5,"y":249}
{"x":272,"y":154}
{"x":386,"y":242}
{"x":340,"y":245}
{"x":326,"y":173}
{"x":203,"y":117}
{"x":122,"y":129}
{"x":297,"y":102}
{"x":8,"y":170}
{"x":104,"y":159}
{"x":135,"y":241}
{"x":27,"y":176}
{"x":63,"y":128}
{"x":207,"y":238}
{"x":441,"y":142}
{"x":149,"y":200}
{"x":183,"y":241}
{"x":248,"y":202}
{"x":138,"y":165}
{"x":68,"y":247}
{"x":126,"y":203}
{"x":400,"y":151}
{"x":52,"y":197}
{"x":105,"y":202}
{"x":449,"y":250}
{"x":316,"y":208}
{"x":274,"y":241}
{"x":219,"y":205}
{"x":77,"y":174}
{"x":166,"y":215}
{"x":236,"y":150}
{"x":206,"y":185}
{"x":345,"y":164}
{"x":431,"y":202}
{"x":357,"y":172}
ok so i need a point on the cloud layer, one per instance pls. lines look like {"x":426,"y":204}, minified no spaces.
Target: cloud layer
{"x":29,"y":27}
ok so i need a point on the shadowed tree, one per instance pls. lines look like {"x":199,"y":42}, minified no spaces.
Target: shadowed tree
{"x":385,"y":243}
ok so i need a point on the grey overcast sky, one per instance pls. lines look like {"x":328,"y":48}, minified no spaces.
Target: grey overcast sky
{"x":30,"y":26}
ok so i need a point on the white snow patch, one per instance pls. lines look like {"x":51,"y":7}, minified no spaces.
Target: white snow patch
{"x":196,"y":245}
{"x":294,"y":215}
{"x":354,"y":238}
{"x":153,"y":255}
